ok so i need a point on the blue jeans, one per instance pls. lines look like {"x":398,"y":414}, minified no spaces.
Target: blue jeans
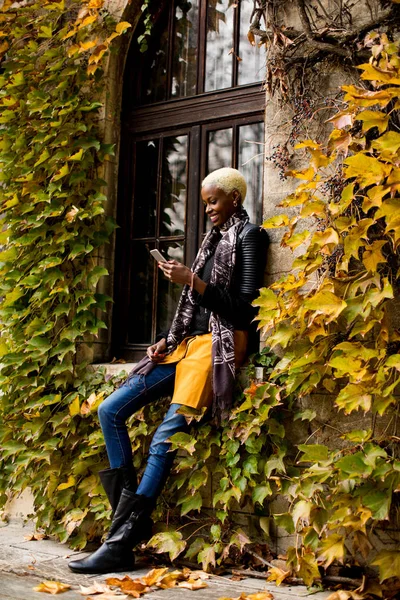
{"x":129,"y":398}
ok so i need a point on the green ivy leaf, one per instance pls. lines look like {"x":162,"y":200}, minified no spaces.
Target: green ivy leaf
{"x":167,"y":541}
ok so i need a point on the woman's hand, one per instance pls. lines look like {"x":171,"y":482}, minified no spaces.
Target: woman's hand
{"x":156,"y":352}
{"x":176,"y":272}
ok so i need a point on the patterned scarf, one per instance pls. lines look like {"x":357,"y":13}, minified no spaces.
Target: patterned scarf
{"x":223,"y":350}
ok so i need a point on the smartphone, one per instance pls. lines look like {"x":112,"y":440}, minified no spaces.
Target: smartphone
{"x":156,"y":254}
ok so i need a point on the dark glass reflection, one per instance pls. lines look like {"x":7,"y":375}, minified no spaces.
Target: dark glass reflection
{"x":219,"y":154}
{"x":151,"y":73}
{"x":184,"y":61}
{"x":220,"y":15}
{"x":141,"y":295}
{"x":168,"y":293}
{"x":251,"y":159}
{"x":219,"y":149}
{"x":174,"y":185}
{"x":252,"y":63}
{"x":145,"y":193}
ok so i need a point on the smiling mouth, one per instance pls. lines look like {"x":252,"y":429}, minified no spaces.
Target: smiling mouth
{"x":214,"y":218}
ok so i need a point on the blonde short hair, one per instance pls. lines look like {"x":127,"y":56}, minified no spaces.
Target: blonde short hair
{"x":227,"y":179}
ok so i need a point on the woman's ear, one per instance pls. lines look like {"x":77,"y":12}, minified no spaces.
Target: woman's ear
{"x":236,"y":198}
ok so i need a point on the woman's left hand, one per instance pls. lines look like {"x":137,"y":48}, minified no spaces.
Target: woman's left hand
{"x":176,"y":272}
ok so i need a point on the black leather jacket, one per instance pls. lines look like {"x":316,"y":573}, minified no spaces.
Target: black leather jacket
{"x":234,"y":304}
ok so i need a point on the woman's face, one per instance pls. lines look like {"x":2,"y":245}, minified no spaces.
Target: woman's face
{"x":218,"y":204}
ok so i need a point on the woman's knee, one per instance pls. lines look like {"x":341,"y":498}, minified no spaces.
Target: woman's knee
{"x":173,"y":423}
{"x":108,"y":409}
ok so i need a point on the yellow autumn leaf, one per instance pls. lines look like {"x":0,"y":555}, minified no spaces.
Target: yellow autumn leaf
{"x":388,"y":562}
{"x":154,"y":576}
{"x":326,"y":303}
{"x":70,"y":483}
{"x":308,"y":569}
{"x":276,"y":221}
{"x":345,"y":595}
{"x":372,"y":118}
{"x":74,"y":407}
{"x":325,"y":238}
{"x":308,"y":144}
{"x":112,"y":37}
{"x":332,"y":549}
{"x":123,"y":26}
{"x":98,"y":54}
{"x":367,"y":170}
{"x":52,"y":587}
{"x":388,"y":142}
{"x":363,"y":97}
{"x":372,"y":73}
{"x":192,"y":584}
{"x":306,"y":174}
{"x":61,"y":173}
{"x":373,"y":255}
{"x":91,"y":70}
{"x":84,"y":46}
{"x":77,"y":156}
{"x":278,"y":575}
{"x":87,"y":21}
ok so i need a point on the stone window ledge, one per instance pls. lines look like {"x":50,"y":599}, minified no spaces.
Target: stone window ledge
{"x":114,"y":368}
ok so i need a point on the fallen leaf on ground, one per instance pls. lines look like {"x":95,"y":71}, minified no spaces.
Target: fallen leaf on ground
{"x":154,"y":576}
{"x":278,"y":575}
{"x":192,"y":584}
{"x":161,"y":578}
{"x":52,"y":587}
{"x":37,"y":536}
{"x":132,"y":587}
{"x":96,"y":588}
{"x":346,"y":595}
{"x":257,"y":596}
{"x":170,"y":580}
{"x":199,"y":574}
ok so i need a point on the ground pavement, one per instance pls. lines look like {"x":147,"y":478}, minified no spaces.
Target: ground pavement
{"x":25,"y":564}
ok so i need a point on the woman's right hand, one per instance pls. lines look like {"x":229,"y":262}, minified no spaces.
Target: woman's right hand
{"x":156,"y":352}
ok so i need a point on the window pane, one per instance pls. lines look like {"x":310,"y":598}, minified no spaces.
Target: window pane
{"x":184,"y":61}
{"x":145,"y":194}
{"x":251,"y":159}
{"x":220,"y":15}
{"x":219,"y":149}
{"x":252,"y":65}
{"x":141,"y":294}
{"x":152,"y":75}
{"x":168,"y":293}
{"x":174,"y":185}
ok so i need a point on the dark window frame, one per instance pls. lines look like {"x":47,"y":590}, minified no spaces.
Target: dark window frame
{"x":193,"y":116}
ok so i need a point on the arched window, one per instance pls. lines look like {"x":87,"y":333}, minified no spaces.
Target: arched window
{"x":193,"y":102}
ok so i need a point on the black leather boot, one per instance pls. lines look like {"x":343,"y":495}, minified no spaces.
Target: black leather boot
{"x":115,"y":480}
{"x":131,"y":524}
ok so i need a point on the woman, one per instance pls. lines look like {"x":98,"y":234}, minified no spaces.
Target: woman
{"x":194,"y":362}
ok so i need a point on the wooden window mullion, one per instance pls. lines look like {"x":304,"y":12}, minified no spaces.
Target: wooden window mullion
{"x":193,"y":183}
{"x":202,"y":46}
{"x":170,"y":49}
{"x":236,"y":37}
